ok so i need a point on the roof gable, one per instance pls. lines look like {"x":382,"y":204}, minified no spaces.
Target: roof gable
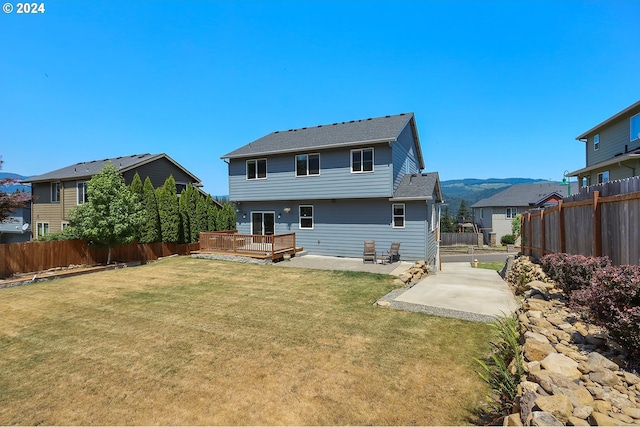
{"x":630,"y":111}
{"x":420,"y":186}
{"x":84,"y":170}
{"x":335,"y":135}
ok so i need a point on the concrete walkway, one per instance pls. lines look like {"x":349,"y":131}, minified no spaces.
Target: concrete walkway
{"x":461,"y":288}
{"x":458,"y":290}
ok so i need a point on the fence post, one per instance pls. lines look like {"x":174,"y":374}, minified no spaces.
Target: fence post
{"x":597,"y":225}
{"x":543,"y":240}
{"x":563,"y":245}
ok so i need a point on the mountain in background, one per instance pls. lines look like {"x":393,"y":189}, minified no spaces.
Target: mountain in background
{"x":12,"y":188}
{"x":472,"y":190}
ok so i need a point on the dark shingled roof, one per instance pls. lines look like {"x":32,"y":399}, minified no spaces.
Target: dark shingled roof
{"x":525,"y":194}
{"x":419,"y":187}
{"x":344,"y":134}
{"x":88,"y":169}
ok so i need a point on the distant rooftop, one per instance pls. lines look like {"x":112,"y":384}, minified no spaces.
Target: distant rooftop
{"x":526,"y":194}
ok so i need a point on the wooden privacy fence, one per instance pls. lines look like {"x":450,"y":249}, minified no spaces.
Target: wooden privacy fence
{"x":467,"y":239}
{"x":602,"y":220}
{"x":39,"y":256}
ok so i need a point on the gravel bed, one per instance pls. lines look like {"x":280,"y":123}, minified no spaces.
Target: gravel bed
{"x":435,"y":311}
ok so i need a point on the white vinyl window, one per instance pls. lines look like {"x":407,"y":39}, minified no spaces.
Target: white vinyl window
{"x":603,"y":177}
{"x":398,"y":214}
{"x":42,"y":228}
{"x":55,"y":192}
{"x":307,"y":164}
{"x":81,"y":192}
{"x":511,"y":213}
{"x":257,"y":169}
{"x":362,"y":160}
{"x":64,"y":224}
{"x":596,"y":142}
{"x":635,"y":127}
{"x":306,"y":216}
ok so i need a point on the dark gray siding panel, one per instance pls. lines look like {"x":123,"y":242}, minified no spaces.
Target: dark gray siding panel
{"x":335,"y":180}
{"x":341,"y":226}
{"x":612,"y":141}
{"x":158,"y":171}
{"x":404,"y":156}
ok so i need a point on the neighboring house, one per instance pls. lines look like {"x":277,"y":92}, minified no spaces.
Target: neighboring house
{"x":17,"y":227}
{"x":56,"y":193}
{"x":612,"y":148}
{"x":495,"y":214}
{"x":338,"y":185}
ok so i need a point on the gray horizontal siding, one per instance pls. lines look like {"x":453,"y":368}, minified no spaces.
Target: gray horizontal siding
{"x":341,"y":226}
{"x":404,"y":155}
{"x":335,"y":180}
{"x":613,"y":138}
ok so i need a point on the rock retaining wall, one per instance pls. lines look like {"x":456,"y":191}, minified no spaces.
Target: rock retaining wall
{"x":575,"y":375}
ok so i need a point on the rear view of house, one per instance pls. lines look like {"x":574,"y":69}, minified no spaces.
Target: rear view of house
{"x":340,"y":184}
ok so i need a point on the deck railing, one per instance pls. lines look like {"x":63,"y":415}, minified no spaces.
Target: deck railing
{"x":248,"y":244}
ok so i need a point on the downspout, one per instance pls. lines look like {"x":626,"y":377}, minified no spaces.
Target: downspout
{"x":633,"y":170}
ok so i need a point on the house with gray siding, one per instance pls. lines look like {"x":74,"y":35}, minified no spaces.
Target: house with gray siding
{"x":612,"y":148}
{"x":339,"y":184}
{"x":55,"y":193}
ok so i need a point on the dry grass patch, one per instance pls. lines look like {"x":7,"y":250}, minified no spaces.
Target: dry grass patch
{"x":192,"y":341}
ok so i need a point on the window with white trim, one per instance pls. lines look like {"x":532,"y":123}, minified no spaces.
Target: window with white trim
{"x":603,"y":177}
{"x":307,"y":164}
{"x":511,"y":213}
{"x":596,"y":142}
{"x":55,"y":192}
{"x":306,"y":216}
{"x":81,"y":190}
{"x":257,"y":169}
{"x":634,"y":125}
{"x":398,"y":214}
{"x":42,"y":229}
{"x":362,"y":160}
{"x":433,"y":217}
{"x":64,"y":224}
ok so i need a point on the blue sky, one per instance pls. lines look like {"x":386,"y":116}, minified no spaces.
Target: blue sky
{"x":499,"y":89}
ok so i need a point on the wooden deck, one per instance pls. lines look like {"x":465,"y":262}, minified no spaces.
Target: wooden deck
{"x":251,"y":245}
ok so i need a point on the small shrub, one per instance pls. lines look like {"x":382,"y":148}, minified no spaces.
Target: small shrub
{"x":612,"y":300}
{"x":572,"y":272}
{"x":508,"y":239}
{"x":504,"y":369}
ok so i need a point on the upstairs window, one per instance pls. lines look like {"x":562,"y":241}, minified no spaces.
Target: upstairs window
{"x":55,"y":192}
{"x":257,"y":169}
{"x":511,"y":213}
{"x":635,"y":127}
{"x":596,"y":142}
{"x":603,"y":177}
{"x":307,"y":164}
{"x":362,"y":160}
{"x":82,"y":192}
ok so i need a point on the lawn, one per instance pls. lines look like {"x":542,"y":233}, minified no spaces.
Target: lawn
{"x":192,"y":341}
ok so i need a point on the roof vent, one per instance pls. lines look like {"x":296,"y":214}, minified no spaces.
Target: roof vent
{"x":351,"y":121}
{"x":369,"y":118}
{"x":319,"y":126}
{"x":303,"y":128}
{"x":387,"y":116}
{"x":277,"y":131}
{"x":335,"y":124}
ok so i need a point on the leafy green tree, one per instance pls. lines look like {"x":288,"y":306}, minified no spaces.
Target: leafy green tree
{"x":211,"y":213}
{"x":112,"y":214}
{"x":516,"y":226}
{"x":150,"y":232}
{"x":194,"y":195}
{"x":136,"y":188}
{"x":201,"y":216}
{"x":169,"y":211}
{"x":185,"y":217}
{"x":447,"y":223}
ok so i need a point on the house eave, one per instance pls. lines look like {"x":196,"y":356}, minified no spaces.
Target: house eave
{"x":609,"y":162}
{"x":410,"y":199}
{"x":583,"y":137}
{"x":302,"y":149}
